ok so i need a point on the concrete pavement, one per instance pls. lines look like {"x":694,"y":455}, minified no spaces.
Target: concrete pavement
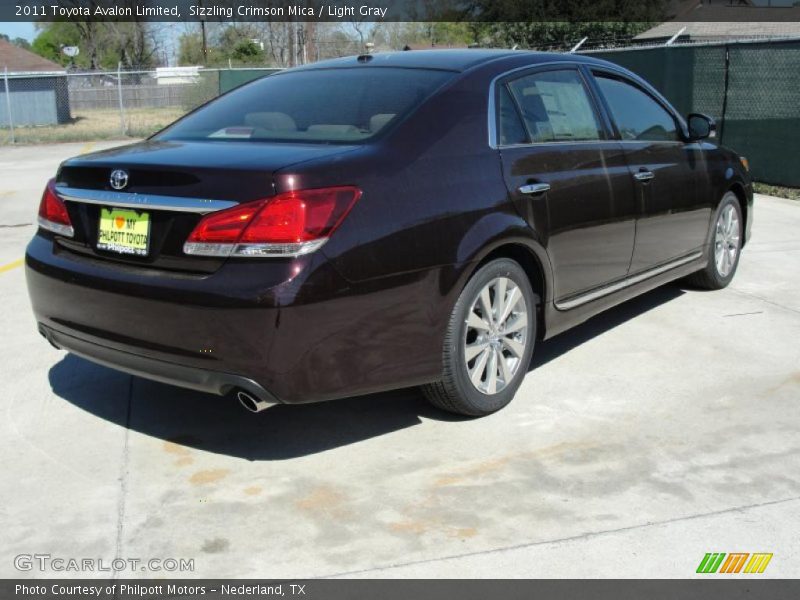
{"x":659,"y":431}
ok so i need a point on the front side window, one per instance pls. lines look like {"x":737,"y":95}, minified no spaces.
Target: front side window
{"x":556,"y":107}
{"x":637,"y":115}
{"x":325,"y":106}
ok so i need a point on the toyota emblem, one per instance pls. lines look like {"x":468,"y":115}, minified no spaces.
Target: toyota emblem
{"x":118,"y":179}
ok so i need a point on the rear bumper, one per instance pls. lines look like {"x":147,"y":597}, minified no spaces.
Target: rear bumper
{"x":291,"y":331}
{"x":209,"y":332}
{"x":202,"y":380}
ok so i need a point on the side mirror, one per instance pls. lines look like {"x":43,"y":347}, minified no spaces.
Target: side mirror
{"x":701,"y":127}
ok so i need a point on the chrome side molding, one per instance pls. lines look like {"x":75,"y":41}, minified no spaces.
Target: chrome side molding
{"x":598,"y":293}
{"x":142,"y":201}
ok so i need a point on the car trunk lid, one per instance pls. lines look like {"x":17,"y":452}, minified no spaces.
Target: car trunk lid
{"x":174,"y":183}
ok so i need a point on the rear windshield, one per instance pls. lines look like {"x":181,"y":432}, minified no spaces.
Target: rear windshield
{"x":336,"y":105}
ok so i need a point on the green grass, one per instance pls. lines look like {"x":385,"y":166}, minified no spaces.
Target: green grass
{"x":777,"y":190}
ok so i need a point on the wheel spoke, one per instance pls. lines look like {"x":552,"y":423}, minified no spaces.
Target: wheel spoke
{"x":491,"y":373}
{"x":513,"y":298}
{"x":472,"y":350}
{"x":477,"y":322}
{"x":517,"y":324}
{"x":480,"y":366}
{"x":506,"y":370}
{"x":486,"y":305}
{"x":515,"y":347}
{"x":500,"y":298}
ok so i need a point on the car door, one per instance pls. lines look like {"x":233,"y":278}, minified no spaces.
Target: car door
{"x":671,"y":175}
{"x":567,"y":177}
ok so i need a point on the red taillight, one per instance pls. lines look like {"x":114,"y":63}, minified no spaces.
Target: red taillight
{"x":53,"y":214}
{"x":225,"y":226}
{"x":288,"y":224}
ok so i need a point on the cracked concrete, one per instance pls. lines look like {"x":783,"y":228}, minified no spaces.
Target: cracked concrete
{"x":659,"y":431}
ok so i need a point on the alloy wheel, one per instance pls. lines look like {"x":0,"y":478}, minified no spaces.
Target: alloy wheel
{"x":726,"y":240}
{"x":496,"y":335}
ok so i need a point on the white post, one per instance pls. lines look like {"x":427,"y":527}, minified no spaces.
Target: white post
{"x":578,"y":45}
{"x":121,"y":104}
{"x":671,"y":40}
{"x":8,"y":106}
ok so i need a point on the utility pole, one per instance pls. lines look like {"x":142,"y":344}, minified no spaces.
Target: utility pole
{"x":203,"y":33}
{"x":205,"y":42}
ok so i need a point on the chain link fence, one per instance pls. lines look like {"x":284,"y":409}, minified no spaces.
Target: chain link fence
{"x":68,"y":107}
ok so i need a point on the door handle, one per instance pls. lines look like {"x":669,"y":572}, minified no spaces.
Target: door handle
{"x":533,"y":189}
{"x":644,"y":175}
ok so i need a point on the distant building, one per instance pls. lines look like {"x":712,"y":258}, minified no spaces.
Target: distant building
{"x":727,"y":20}
{"x":177,"y":75}
{"x":37,"y":88}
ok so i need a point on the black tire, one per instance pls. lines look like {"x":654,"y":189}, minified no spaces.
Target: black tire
{"x":455,"y":391}
{"x":710,"y":278}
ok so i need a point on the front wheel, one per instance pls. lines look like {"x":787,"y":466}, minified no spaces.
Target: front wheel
{"x":725,"y":246}
{"x":489,"y":341}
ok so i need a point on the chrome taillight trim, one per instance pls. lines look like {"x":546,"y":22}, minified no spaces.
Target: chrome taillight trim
{"x":142,"y":201}
{"x":59,"y":228}
{"x":265,"y":250}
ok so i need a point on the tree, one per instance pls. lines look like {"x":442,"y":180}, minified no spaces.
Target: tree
{"x":101,"y":44}
{"x":134,"y":44}
{"x":568,"y":11}
{"x":17,"y":41}
{"x":53,"y":37}
{"x":247,"y":51}
{"x":551,"y":23}
{"x":21,"y":43}
{"x":440,"y":34}
{"x":560,"y":35}
{"x":190,"y":49}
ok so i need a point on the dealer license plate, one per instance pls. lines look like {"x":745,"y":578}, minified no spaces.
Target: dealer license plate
{"x":124,"y":231}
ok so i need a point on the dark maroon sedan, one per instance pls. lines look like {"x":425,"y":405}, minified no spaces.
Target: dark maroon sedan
{"x":382,"y":221}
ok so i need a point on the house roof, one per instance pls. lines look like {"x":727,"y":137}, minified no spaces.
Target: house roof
{"x":710,"y":31}
{"x":718,"y":20}
{"x":19,"y":60}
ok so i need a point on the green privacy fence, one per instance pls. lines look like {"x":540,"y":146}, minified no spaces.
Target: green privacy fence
{"x":751,"y":89}
{"x":233,"y":78}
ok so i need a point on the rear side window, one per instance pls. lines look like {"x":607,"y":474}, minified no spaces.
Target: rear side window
{"x":637,"y":115}
{"x":336,"y":105}
{"x":512,"y":131}
{"x":556,"y":107}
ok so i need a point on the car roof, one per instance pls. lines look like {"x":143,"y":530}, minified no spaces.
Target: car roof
{"x":447,"y":59}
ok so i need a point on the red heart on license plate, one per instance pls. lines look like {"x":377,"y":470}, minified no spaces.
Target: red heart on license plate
{"x":119,"y":222}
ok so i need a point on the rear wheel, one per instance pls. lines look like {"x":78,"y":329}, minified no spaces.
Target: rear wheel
{"x":489,"y":341}
{"x":725,"y":246}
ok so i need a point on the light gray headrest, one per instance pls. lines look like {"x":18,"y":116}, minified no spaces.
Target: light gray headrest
{"x":379,"y":121}
{"x":272,"y":121}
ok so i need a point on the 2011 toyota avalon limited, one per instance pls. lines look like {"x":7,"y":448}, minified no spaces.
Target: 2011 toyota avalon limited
{"x":383,"y":221}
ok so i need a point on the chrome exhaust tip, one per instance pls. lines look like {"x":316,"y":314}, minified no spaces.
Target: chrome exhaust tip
{"x":252,"y":403}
